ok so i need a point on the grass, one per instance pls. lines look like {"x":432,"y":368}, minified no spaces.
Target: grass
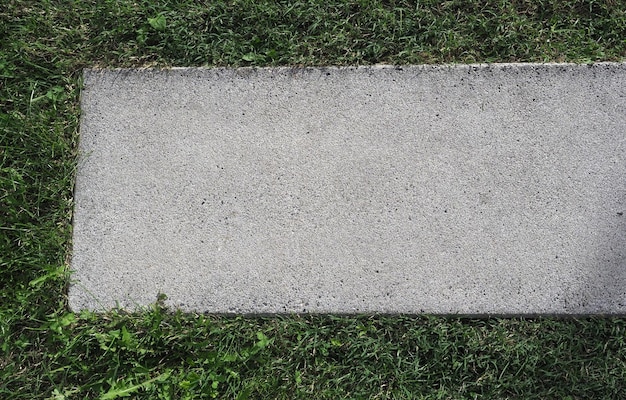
{"x":47,"y":352}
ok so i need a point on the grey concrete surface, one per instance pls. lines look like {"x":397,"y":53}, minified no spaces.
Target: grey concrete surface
{"x":474,"y":189}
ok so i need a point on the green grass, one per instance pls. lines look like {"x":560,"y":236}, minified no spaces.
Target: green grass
{"x":48,"y":352}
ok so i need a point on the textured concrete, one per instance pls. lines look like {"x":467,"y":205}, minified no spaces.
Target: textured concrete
{"x":469,"y":190}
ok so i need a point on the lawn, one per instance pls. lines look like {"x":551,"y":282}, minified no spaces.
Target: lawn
{"x":48,"y":352}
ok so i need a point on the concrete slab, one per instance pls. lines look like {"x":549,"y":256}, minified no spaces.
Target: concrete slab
{"x":472,"y":189}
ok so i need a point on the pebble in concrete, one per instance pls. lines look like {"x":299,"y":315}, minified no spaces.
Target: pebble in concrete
{"x":470,"y":189}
